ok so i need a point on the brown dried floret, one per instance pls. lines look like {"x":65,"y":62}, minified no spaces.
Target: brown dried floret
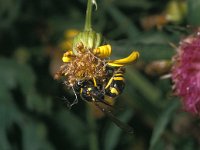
{"x":84,"y":66}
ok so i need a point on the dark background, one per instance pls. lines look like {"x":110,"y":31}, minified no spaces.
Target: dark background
{"x":33,"y":106}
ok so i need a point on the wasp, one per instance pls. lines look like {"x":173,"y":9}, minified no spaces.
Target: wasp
{"x":104,"y":92}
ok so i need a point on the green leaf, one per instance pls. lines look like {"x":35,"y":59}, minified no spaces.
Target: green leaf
{"x":193,"y":12}
{"x":123,"y":21}
{"x":26,"y":78}
{"x":5,"y":97}
{"x":35,"y":136}
{"x":148,"y":51}
{"x":9,"y":114}
{"x":72,"y":127}
{"x":143,"y":4}
{"x":36,"y":102}
{"x":8,"y":73}
{"x":33,"y":132}
{"x":146,"y":88}
{"x":162,"y":122}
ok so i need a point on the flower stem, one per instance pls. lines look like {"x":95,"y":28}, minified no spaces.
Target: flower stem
{"x":93,"y":140}
{"x":88,"y":19}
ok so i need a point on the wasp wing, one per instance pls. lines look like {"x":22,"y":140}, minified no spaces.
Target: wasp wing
{"x":119,"y":123}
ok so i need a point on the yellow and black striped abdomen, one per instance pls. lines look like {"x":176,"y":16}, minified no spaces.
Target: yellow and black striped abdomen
{"x":115,"y":85}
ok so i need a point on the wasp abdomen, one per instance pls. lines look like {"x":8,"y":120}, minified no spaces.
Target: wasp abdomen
{"x":115,"y":85}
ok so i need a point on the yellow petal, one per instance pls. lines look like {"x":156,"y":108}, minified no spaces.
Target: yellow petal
{"x":67,"y":56}
{"x":103,"y":51}
{"x":121,"y":62}
{"x":66,"y":59}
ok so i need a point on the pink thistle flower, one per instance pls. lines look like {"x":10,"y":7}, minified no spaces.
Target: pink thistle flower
{"x":186,"y":73}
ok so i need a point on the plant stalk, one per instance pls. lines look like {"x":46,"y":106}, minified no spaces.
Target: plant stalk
{"x":88,"y":18}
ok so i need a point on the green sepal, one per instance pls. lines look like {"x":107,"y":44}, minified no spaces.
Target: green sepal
{"x":90,"y":40}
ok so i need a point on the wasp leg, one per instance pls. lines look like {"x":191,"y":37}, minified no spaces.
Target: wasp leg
{"x":76,"y":98}
{"x":94,"y":82}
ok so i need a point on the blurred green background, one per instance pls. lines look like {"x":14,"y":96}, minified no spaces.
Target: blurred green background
{"x":33,"y":106}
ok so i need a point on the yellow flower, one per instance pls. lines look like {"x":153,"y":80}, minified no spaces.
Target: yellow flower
{"x":90,"y":63}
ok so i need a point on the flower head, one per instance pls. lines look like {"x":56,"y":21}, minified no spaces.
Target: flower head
{"x":84,"y":62}
{"x":186,"y":73}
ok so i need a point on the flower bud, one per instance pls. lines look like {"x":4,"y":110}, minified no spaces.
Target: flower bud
{"x":89,"y":39}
